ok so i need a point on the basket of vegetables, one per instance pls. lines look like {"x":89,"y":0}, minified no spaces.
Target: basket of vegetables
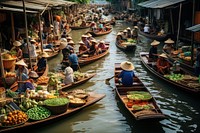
{"x":57,"y":105}
{"x":38,"y":113}
{"x":8,"y":61}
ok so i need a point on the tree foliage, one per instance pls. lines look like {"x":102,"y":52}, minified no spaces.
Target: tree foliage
{"x":80,"y":1}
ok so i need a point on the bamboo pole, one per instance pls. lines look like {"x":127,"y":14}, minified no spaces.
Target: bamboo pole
{"x":192,"y":36}
{"x":12,"y":27}
{"x":1,"y":64}
{"x":179,"y":24}
{"x":172,"y":23}
{"x":26,"y":28}
{"x":41,"y":41}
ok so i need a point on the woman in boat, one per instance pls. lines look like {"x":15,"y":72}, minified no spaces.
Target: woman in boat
{"x":85,"y":41}
{"x":17,"y":49}
{"x":21,"y":72}
{"x":69,"y":39}
{"x":89,"y":38}
{"x":82,"y":48}
{"x":32,"y":49}
{"x":162,"y":64}
{"x":129,"y":34}
{"x":197,"y":64}
{"x":168,"y":47}
{"x":83,"y":24}
{"x":42,"y":62}
{"x":94,"y":48}
{"x":29,"y":83}
{"x":119,"y":38}
{"x":124,"y":35}
{"x":93,"y":26}
{"x":127,"y":74}
{"x":69,"y":76}
{"x":153,"y":54}
{"x":102,"y":46}
{"x":73,"y":60}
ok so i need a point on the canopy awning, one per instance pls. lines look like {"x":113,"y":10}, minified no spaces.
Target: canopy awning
{"x":194,"y":28}
{"x":156,"y":4}
{"x":15,"y":10}
{"x":52,"y":2}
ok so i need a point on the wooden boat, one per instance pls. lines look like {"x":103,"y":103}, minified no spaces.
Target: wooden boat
{"x":153,"y":36}
{"x":184,"y":85}
{"x":141,"y":114}
{"x":101,"y":33}
{"x":186,"y":66}
{"x":51,"y":53}
{"x":87,"y":60}
{"x":126,"y":46}
{"x":79,"y":27}
{"x":82,"y":81}
{"x":92,"y":99}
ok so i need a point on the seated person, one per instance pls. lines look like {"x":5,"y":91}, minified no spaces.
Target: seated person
{"x":102,"y":46}
{"x":162,"y":64}
{"x":69,"y":76}
{"x":127,"y":74}
{"x":153,"y":54}
{"x":83,"y":24}
{"x":73,"y":60}
{"x":119,"y":38}
{"x":82,"y":48}
{"x":168,"y":47}
{"x":147,"y":29}
{"x":94,"y":48}
{"x":42,"y":62}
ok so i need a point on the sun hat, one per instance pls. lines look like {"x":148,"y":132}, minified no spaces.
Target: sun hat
{"x":33,"y":74}
{"x":71,"y":42}
{"x":155,"y":43}
{"x":84,"y":36}
{"x":119,"y":33}
{"x":44,"y":54}
{"x":136,"y":27}
{"x":33,"y":40}
{"x":163,"y":55}
{"x":17,"y":43}
{"x":125,"y":31}
{"x":94,"y":41}
{"x":81,"y":42}
{"x":169,"y":40}
{"x":89,"y":35}
{"x":69,"y":38}
{"x":128,"y":28}
{"x":21,"y":63}
{"x":63,"y":40}
{"x":126,"y":65}
{"x":63,"y":44}
{"x":51,"y":26}
{"x":101,"y":41}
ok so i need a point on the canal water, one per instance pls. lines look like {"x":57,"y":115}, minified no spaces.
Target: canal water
{"x":108,"y":115}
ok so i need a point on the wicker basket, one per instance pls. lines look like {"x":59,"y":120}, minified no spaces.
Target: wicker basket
{"x":58,"y":109}
{"x":8,"y":64}
{"x":10,"y":80}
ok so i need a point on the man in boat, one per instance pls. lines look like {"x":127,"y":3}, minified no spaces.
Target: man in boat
{"x":127,"y":74}
{"x":119,"y":38}
{"x":42,"y":62}
{"x":65,"y":48}
{"x":69,"y":39}
{"x":153,"y":54}
{"x":101,"y":46}
{"x":162,"y":64}
{"x":124,"y":35}
{"x":83,"y":24}
{"x":82,"y":48}
{"x":73,"y":60}
{"x":197,"y":64}
{"x":86,"y":42}
{"x":168,"y":47}
{"x":129,"y":34}
{"x":94,"y":48}
{"x":69,"y":76}
{"x":89,"y":38}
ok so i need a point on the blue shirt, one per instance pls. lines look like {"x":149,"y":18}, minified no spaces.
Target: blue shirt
{"x":73,"y":58}
{"x":127,"y":77}
{"x":41,"y":63}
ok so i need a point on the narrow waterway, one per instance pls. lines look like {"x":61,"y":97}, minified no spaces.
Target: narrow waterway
{"x":108,"y":115}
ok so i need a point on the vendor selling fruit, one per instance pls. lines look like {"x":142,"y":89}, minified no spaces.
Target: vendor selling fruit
{"x":162,"y":64}
{"x":17,"y":49}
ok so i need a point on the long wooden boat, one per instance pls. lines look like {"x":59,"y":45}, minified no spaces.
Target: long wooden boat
{"x":101,"y":33}
{"x":153,"y":36}
{"x":141,"y":114}
{"x":186,"y":66}
{"x":87,"y":60}
{"x":79,"y":27}
{"x":77,"y":83}
{"x":92,"y":99}
{"x":183,"y":85}
{"x":126,"y":46}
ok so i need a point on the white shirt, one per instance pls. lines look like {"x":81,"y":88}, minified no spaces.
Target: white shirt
{"x":69,"y":76}
{"x":146,"y":29}
{"x":32,"y":50}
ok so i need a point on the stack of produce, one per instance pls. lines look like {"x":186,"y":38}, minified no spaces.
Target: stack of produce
{"x":42,"y":80}
{"x":40,"y":94}
{"x":174,"y":77}
{"x":78,"y":76}
{"x":29,"y":103}
{"x":38,"y":113}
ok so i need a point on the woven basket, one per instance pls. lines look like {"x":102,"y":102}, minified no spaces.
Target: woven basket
{"x":8,"y":64}
{"x":58,"y":109}
{"x":10,"y":80}
{"x":2,"y":92}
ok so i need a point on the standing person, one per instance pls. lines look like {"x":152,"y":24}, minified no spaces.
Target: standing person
{"x":56,"y":26}
{"x":127,"y":74}
{"x":135,"y":33}
{"x":73,"y":60}
{"x":32,"y":49}
{"x":153,"y":54}
{"x":162,"y":64}
{"x":69,"y":76}
{"x":147,"y":29}
{"x":197,"y":64}
{"x":42,"y":62}
{"x":17,"y":49}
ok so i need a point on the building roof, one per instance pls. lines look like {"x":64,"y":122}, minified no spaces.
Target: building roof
{"x":52,"y":2}
{"x":159,"y":3}
{"x":194,"y":28}
{"x":2,"y":8}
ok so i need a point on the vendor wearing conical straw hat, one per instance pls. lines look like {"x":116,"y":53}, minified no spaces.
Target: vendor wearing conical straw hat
{"x":153,"y":54}
{"x":162,"y":64}
{"x":168,"y":47}
{"x":17,"y":49}
{"x":127,"y":74}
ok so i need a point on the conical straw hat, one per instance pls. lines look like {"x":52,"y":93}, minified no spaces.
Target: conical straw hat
{"x":44,"y":54}
{"x":163,"y":55}
{"x":71,"y":42}
{"x":81,"y":42}
{"x":169,"y":40}
{"x":128,"y":66}
{"x":63,"y":44}
{"x":17,"y":43}
{"x":33,"y":74}
{"x":69,"y":38}
{"x":21,"y":63}
{"x":155,"y":43}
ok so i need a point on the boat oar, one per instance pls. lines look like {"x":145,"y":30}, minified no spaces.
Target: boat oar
{"x":107,"y":81}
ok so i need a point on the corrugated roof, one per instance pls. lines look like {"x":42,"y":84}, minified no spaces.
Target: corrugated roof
{"x":19,"y":4}
{"x":194,"y":28}
{"x":15,"y":10}
{"x":159,"y":3}
{"x":52,"y":2}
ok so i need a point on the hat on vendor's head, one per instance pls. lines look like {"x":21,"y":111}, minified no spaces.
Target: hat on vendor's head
{"x":136,"y":27}
{"x":163,"y":55}
{"x":154,"y":43}
{"x":125,"y":31}
{"x":84,"y":36}
{"x":119,"y":34}
{"x":44,"y":54}
{"x":33,"y":74}
{"x":128,"y":28}
{"x":71,"y":42}
{"x":128,"y":66}
{"x":89,"y":35}
{"x":63,"y":43}
{"x":33,"y":40}
{"x":17,"y":43}
{"x":94,"y":41}
{"x":81,"y":42}
{"x":21,"y":63}
{"x":101,"y":41}
{"x":51,"y":26}
{"x":69,"y":38}
{"x":169,"y":41}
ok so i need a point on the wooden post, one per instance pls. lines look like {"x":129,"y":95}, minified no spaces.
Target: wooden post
{"x":192,"y":35}
{"x":179,"y":24}
{"x":172,"y":23}
{"x":26,"y":28}
{"x":12,"y":27}
{"x":1,"y":64}
{"x":41,"y":41}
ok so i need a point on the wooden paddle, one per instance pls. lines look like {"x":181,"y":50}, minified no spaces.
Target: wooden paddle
{"x":107,"y":81}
